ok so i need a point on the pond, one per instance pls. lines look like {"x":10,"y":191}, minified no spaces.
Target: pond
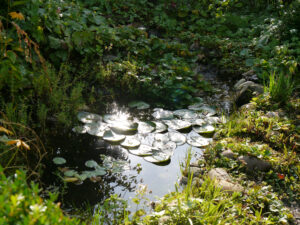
{"x":127,"y":146}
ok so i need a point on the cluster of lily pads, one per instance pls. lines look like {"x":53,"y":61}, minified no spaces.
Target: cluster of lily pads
{"x":108,"y":164}
{"x":155,"y":140}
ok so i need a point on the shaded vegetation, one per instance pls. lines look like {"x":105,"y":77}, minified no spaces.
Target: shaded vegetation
{"x":57,"y":57}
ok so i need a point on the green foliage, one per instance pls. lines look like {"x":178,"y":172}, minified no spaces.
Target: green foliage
{"x":21,"y":204}
{"x":280,"y":88}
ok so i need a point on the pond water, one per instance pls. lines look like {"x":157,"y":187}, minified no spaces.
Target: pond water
{"x":96,"y":165}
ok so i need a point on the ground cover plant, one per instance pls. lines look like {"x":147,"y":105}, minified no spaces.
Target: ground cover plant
{"x":57,"y":57}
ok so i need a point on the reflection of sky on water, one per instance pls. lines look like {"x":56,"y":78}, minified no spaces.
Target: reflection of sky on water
{"x":160,"y":180}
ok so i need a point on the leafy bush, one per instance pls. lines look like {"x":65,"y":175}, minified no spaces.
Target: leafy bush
{"x":20,"y":203}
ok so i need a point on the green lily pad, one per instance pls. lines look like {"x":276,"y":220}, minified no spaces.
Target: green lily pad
{"x":139,"y":105}
{"x":113,"y":118}
{"x":59,"y":160}
{"x":70,"y":173}
{"x":158,"y":157}
{"x":177,"y":137}
{"x":91,"y":164}
{"x":130,"y":142}
{"x":146,"y":127}
{"x":161,"y":114}
{"x":196,"y":106}
{"x":124,"y":127}
{"x":97,"y":129}
{"x":197,"y":140}
{"x":205,"y":129}
{"x":143,"y":150}
{"x":87,"y":117}
{"x":198,"y":122}
{"x":160,"y":127}
{"x":177,"y":124}
{"x":164,"y":138}
{"x":207,"y":110}
{"x":185,"y":114}
{"x":112,"y":137}
{"x":71,"y":179}
{"x":146,"y":139}
{"x":79,"y":129}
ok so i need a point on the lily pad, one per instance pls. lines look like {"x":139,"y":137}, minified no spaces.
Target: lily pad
{"x":161,"y":114}
{"x":164,"y":138}
{"x":131,"y":142}
{"x":198,"y":122}
{"x":124,"y":127}
{"x":177,"y":124}
{"x":70,"y":173}
{"x":160,"y":127}
{"x":112,"y":137}
{"x":112,"y":118}
{"x":158,"y":157}
{"x":146,"y":127}
{"x":205,"y":129}
{"x":87,"y":117}
{"x":196,"y":106}
{"x":146,"y":139}
{"x":143,"y":150}
{"x":177,"y":137}
{"x":197,"y":140}
{"x":139,"y":105}
{"x":91,"y":164}
{"x":185,"y":114}
{"x":59,"y":160}
{"x":207,"y":110}
{"x":79,"y":129}
{"x":97,"y":129}
{"x":71,"y":179}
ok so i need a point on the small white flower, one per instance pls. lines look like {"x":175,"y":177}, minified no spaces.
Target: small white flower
{"x":36,"y":208}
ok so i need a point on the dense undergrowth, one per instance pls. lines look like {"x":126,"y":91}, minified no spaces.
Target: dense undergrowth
{"x":59,"y":56}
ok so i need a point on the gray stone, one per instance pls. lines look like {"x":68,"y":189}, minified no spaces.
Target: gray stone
{"x":245,"y":91}
{"x":196,"y":171}
{"x":250,"y":106}
{"x":194,"y":164}
{"x":183,"y":180}
{"x":228,"y":154}
{"x":224,"y":181}
{"x":239,"y":83}
{"x":197,"y":182}
{"x":253,"y":163}
{"x":272,"y":114}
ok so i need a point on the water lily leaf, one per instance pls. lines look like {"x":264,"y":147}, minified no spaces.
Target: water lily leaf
{"x":96,"y":128}
{"x":59,"y":160}
{"x":205,"y":129}
{"x":177,"y":137}
{"x":70,"y":173}
{"x":81,"y":176}
{"x":112,"y":118}
{"x":198,"y":122}
{"x":87,"y":117}
{"x":161,"y":114}
{"x":160,"y":127}
{"x":146,"y":139}
{"x":124,"y":127}
{"x":214,"y":120}
{"x":207,"y":110}
{"x":164,"y":138}
{"x":158,"y":157}
{"x":143,"y":150}
{"x":185,"y":114}
{"x":139,"y":105}
{"x":196,"y":106}
{"x":177,"y":124}
{"x":146,"y":127}
{"x":197,"y":140}
{"x":112,"y":137}
{"x":91,"y":164}
{"x":71,"y":179}
{"x":98,"y":172}
{"x":131,"y":142}
{"x":79,"y":129}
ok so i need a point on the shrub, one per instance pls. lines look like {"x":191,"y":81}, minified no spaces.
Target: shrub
{"x":20,"y":203}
